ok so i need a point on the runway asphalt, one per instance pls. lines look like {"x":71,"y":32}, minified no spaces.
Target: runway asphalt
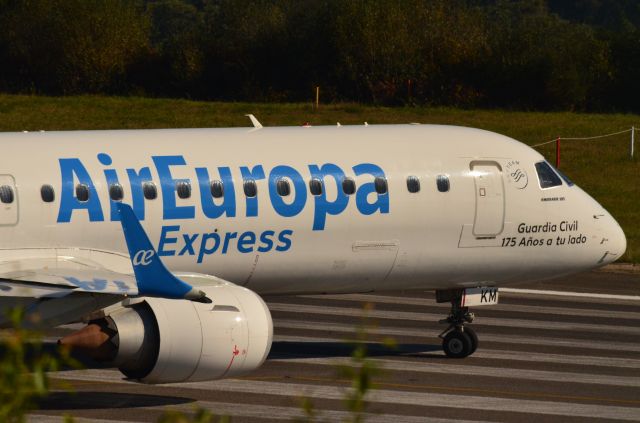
{"x":541,"y":357}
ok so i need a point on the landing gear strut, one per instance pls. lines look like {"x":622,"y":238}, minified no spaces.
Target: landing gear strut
{"x":458,"y":340}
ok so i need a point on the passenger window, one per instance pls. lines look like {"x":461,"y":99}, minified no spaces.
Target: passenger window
{"x":442,"y":181}
{"x":381,"y":185}
{"x":283,"y":187}
{"x":250,"y":188}
{"x":217,"y":189}
{"x":6,"y":194}
{"x":47,"y":193}
{"x":315,"y":186}
{"x":150,"y":191}
{"x":82,"y":192}
{"x":348,"y":186}
{"x":546,"y":176}
{"x":184,"y":189}
{"x":116,"y":193}
{"x":413,"y":184}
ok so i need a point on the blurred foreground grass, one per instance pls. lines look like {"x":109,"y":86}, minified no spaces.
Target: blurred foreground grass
{"x":601,"y":167}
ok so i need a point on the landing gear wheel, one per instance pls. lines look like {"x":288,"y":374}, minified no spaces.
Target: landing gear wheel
{"x":474,"y":338}
{"x":457,"y":344}
{"x":458,"y":339}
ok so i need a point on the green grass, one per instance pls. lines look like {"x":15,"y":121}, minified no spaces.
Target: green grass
{"x":601,"y":167}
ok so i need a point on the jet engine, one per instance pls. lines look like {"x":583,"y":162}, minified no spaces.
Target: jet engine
{"x":159,"y":340}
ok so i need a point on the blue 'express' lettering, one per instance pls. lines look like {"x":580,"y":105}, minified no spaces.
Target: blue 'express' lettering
{"x":367,"y":200}
{"x":174,"y":243}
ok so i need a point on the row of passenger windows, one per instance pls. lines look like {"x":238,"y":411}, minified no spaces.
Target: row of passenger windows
{"x":546,"y":175}
{"x":250,"y":188}
{"x":316,"y":187}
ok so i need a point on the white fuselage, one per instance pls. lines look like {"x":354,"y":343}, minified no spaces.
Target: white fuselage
{"x":494,"y":226}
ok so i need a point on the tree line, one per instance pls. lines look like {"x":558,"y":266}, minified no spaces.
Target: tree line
{"x":524,"y":54}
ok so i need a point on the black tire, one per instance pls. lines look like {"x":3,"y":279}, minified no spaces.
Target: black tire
{"x":474,"y":338}
{"x":457,"y":344}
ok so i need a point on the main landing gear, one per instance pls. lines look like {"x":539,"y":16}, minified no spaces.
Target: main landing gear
{"x":458,"y":340}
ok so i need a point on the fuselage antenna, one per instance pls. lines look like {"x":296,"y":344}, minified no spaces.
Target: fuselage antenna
{"x":254,"y":121}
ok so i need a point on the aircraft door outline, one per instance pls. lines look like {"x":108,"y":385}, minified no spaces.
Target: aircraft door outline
{"x":489,"y":198}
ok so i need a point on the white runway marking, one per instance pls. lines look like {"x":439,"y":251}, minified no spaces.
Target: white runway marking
{"x":571,"y":294}
{"x":427,"y":336}
{"x":425,"y":302}
{"x":584,"y":368}
{"x":295,"y":413}
{"x":430,"y":317}
{"x":470,"y":370}
{"x":468,"y":402}
{"x":579,"y":360}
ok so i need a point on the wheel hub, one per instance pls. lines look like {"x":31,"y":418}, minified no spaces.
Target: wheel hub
{"x":455,"y":345}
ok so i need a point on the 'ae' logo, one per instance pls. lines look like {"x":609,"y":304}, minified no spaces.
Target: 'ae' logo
{"x":142,"y":258}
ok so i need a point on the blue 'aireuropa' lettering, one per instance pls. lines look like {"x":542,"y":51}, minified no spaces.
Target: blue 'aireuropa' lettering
{"x":365,"y":190}
{"x":332,"y":201}
{"x":168,"y":184}
{"x":111,"y":176}
{"x":252,"y":175}
{"x":136,"y":180}
{"x":299,"y":194}
{"x":209,"y":206}
{"x":72,"y":170}
{"x":324,"y":206}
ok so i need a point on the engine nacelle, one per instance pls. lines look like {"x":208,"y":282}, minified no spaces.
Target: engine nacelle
{"x":162,"y":341}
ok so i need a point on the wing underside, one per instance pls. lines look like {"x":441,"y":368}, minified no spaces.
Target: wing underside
{"x":55,"y":277}
{"x":49,"y":278}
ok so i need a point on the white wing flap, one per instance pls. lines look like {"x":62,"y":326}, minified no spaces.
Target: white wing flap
{"x":37,"y":278}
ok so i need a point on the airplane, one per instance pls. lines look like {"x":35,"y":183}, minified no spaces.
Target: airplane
{"x":165,"y":241}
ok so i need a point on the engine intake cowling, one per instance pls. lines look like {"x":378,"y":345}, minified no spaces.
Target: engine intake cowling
{"x":162,"y":340}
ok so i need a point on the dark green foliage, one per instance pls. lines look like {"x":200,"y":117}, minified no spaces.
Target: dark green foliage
{"x":615,"y":15}
{"x":540,"y":61}
{"x":24,"y":366}
{"x":623,"y":90}
{"x":527,"y":54}
{"x":176,"y":40}
{"x":383,"y":45}
{"x":69,"y":46}
{"x":245,"y":43}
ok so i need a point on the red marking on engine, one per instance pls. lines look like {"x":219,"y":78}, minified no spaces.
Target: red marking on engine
{"x":234,"y":353}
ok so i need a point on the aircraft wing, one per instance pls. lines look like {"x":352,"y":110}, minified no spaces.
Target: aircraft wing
{"x":61,"y":276}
